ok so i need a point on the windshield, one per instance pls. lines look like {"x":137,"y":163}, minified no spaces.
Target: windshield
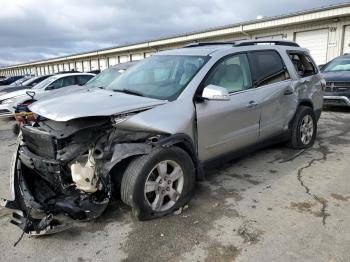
{"x":29,"y":81}
{"x":105,"y":78}
{"x":45,"y":83}
{"x":337,"y":65}
{"x":21,"y":81}
{"x":160,"y":76}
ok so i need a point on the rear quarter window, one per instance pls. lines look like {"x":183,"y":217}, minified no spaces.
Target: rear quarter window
{"x":303,"y":64}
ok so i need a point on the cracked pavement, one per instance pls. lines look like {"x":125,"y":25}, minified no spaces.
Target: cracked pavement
{"x":276,"y":204}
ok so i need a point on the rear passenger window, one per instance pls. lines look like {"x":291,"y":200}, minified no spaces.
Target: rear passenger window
{"x":267,"y":67}
{"x":303,"y":64}
{"x":82,"y":79}
{"x":68,"y":81}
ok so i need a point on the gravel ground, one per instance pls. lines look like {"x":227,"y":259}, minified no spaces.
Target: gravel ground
{"x":274,"y":205}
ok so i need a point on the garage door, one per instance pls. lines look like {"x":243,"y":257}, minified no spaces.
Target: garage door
{"x":149,"y":54}
{"x":103,"y":64}
{"x":72,"y":66}
{"x":86,"y":66}
{"x":136,"y":57}
{"x":124,"y":58}
{"x":94,"y":64}
{"x":316,"y":41}
{"x":79,"y":66}
{"x":112,"y":61}
{"x":346,"y":45}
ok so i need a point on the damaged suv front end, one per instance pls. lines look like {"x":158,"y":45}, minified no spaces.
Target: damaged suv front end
{"x":64,"y":167}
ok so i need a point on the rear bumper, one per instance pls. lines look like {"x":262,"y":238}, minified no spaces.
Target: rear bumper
{"x":336,"y":100}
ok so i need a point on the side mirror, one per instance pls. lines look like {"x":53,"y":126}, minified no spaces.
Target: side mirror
{"x":50,"y":88}
{"x":213,"y":92}
{"x":31,"y":94}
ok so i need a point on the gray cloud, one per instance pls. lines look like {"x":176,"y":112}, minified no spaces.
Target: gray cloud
{"x":38,"y":29}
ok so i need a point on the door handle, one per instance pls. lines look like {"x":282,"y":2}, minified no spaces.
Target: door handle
{"x":288,"y":92}
{"x":252,"y":104}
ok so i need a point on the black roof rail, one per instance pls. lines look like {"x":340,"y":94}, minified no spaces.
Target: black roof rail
{"x":197,"y":44}
{"x":276,"y":42}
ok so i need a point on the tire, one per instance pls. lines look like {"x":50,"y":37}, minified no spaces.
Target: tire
{"x":301,"y":135}
{"x":15,"y":128}
{"x":146,"y":168}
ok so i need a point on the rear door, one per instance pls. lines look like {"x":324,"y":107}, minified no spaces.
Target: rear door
{"x":225,"y":126}
{"x":274,"y":91}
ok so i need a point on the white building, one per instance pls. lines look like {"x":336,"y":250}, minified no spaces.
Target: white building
{"x":324,"y":31}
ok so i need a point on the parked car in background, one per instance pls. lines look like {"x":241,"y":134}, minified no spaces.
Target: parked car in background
{"x":151,"y":131}
{"x":10,"y":100}
{"x":24,"y":116}
{"x":28,"y":83}
{"x":337,"y":76}
{"x":108,"y":75}
{"x":9,"y":80}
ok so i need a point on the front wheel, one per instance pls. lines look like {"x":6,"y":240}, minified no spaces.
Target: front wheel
{"x":304,"y":128}
{"x":157,"y":184}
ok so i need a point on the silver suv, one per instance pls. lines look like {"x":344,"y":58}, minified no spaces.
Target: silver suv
{"x":149,"y":134}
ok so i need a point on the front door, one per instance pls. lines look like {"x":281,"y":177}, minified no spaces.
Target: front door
{"x":225,"y":126}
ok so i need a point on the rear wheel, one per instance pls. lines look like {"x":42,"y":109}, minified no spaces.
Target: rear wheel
{"x":304,"y":128}
{"x":157,"y":184}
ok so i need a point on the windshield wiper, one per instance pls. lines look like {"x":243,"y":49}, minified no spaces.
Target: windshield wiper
{"x":130,"y":92}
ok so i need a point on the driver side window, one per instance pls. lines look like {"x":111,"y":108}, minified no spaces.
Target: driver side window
{"x":232,"y":73}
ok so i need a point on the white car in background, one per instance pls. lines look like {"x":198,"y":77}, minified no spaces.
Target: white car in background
{"x":10,"y":100}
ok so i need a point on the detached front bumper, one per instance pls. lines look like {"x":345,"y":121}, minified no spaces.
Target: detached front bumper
{"x":30,"y":213}
{"x":33,"y":225}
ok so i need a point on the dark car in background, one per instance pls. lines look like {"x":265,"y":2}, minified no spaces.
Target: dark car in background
{"x":24,"y":83}
{"x":9,"y":80}
{"x":337,"y":76}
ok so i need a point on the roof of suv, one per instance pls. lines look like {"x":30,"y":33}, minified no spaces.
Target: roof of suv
{"x":204,"y":49}
{"x":72,"y":74}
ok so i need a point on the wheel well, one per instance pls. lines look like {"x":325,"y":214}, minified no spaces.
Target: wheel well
{"x":117,"y":172}
{"x":185,"y":148}
{"x":302,"y":103}
{"x":306,"y":103}
{"x":118,"y":169}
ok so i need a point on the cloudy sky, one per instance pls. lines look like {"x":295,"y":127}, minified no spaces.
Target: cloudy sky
{"x":38,"y":29}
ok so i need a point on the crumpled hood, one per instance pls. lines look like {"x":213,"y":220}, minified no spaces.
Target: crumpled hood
{"x":343,"y":76}
{"x":90,"y":102}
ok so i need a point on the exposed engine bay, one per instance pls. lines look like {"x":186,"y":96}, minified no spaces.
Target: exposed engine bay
{"x":67,"y":167}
